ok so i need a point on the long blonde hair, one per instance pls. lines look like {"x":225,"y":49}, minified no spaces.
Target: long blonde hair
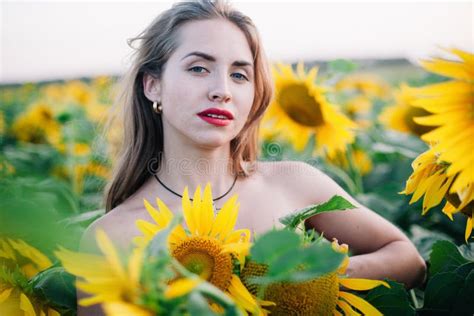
{"x":143,"y":129}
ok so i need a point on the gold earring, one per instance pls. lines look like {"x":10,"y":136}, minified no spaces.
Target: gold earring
{"x":157,"y":107}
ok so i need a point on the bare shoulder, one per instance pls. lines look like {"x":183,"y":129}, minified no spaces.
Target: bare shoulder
{"x":118,"y":224}
{"x":299,"y":179}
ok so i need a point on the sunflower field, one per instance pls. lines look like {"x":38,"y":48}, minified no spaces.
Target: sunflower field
{"x":398,"y":137}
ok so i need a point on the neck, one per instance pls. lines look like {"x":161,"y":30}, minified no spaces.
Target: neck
{"x":189,"y":165}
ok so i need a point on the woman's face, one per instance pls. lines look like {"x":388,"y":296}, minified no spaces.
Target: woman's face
{"x":210,"y":71}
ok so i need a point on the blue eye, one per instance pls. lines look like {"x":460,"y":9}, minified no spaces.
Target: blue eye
{"x":240,"y":76}
{"x":197,"y":69}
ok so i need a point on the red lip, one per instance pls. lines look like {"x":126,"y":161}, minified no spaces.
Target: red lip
{"x":217,"y":111}
{"x":215,"y":120}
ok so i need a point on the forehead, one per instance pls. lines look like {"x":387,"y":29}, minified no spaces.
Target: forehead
{"x":218,"y":37}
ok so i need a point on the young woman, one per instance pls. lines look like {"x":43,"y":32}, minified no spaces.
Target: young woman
{"x":192,"y":103}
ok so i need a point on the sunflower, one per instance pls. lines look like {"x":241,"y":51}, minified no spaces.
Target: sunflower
{"x":210,"y":245}
{"x":358,"y":105}
{"x":452,"y":106}
{"x":19,"y":263}
{"x":359,"y":160}
{"x":79,"y":92}
{"x":320,"y":296}
{"x":400,"y":116}
{"x":82,"y":171}
{"x":105,"y":277}
{"x":37,"y":125}
{"x":367,"y":84}
{"x":300,"y":110}
{"x":430,"y":178}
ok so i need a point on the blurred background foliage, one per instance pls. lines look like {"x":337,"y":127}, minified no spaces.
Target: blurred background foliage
{"x":351,"y":119}
{"x":55,"y":161}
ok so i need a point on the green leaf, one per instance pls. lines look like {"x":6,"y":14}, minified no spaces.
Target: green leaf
{"x":86,"y":217}
{"x":158,"y":246}
{"x":336,"y":203}
{"x":272,"y":244}
{"x":445,"y":256}
{"x":319,"y":259}
{"x":198,"y":305}
{"x":391,"y":301}
{"x":442,"y":290}
{"x":467,"y":251}
{"x":424,"y":239}
{"x":56,"y":287}
{"x":215,"y":294}
{"x":464,"y":304}
{"x":298,"y":263}
{"x":465,"y":269}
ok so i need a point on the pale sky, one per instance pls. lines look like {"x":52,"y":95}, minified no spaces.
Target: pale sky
{"x":47,"y":40}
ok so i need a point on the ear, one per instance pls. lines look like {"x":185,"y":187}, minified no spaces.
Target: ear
{"x":152,"y":88}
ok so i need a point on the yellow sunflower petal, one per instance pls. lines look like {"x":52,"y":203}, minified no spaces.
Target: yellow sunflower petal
{"x":238,"y":248}
{"x":221,"y":227}
{"x":30,"y":252}
{"x":177,"y":235}
{"x":361,"y":284}
{"x":346,"y":308}
{"x":124,"y":309}
{"x":188,"y":212}
{"x":242,"y":296}
{"x":148,"y":229}
{"x":449,"y":210}
{"x":165,"y":212}
{"x":196,"y":211}
{"x":239,"y":235}
{"x":26,"y":306}
{"x":360,"y":304}
{"x":93,"y":300}
{"x":5,"y":294}
{"x":162,"y":217}
{"x":6,"y":251}
{"x":134,"y":265}
{"x":181,"y":287}
{"x":52,"y":312}
{"x":453,"y":69}
{"x":468,"y":228}
{"x":108,"y":249}
{"x":206,"y":216}
{"x":467,"y":57}
{"x":79,"y":263}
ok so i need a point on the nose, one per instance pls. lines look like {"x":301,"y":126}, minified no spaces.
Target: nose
{"x":219,"y":91}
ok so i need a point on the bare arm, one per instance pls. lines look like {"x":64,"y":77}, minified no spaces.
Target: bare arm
{"x":380,"y":250}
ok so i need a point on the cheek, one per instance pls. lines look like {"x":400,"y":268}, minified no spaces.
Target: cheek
{"x":246,"y":102}
{"x":179,"y":99}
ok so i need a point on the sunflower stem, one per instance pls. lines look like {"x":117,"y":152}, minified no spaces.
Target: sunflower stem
{"x":413,"y":298}
{"x":355,"y":172}
{"x":180,"y":268}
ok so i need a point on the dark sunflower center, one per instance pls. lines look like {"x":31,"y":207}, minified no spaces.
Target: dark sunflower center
{"x":300,"y":106}
{"x":199,"y":263}
{"x":203,"y":256}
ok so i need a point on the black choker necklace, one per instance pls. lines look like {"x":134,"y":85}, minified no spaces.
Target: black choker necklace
{"x":177,"y":194}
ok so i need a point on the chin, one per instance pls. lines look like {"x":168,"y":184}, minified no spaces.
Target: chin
{"x":212,"y":140}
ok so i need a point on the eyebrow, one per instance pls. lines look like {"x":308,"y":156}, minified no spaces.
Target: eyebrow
{"x":237,"y":63}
